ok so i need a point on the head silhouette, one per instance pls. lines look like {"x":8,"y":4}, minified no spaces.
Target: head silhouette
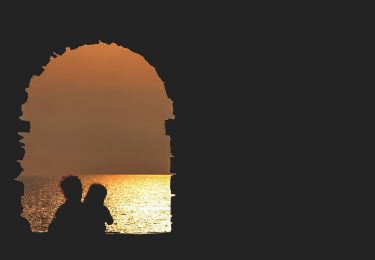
{"x":71,"y":186}
{"x":96,"y":194}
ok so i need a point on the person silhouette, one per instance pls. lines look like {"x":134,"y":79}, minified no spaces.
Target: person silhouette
{"x":68,"y":219}
{"x":95,"y":212}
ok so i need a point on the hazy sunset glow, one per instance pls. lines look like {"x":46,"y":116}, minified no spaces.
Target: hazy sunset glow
{"x":97,"y":109}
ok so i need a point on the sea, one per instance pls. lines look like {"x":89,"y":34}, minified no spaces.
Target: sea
{"x":139,"y":204}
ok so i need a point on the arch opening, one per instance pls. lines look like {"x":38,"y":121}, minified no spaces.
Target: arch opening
{"x":83,"y":123}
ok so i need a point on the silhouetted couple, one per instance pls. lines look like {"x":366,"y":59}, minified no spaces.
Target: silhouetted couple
{"x":74,"y":218}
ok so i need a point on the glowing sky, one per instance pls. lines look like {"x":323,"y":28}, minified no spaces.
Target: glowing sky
{"x":97,"y":109}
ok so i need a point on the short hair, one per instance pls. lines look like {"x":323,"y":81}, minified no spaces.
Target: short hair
{"x":71,"y":186}
{"x":96,"y":193}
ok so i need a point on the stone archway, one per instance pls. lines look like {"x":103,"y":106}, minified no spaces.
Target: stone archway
{"x":16,"y":187}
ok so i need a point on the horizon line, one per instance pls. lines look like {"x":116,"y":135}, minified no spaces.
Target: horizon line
{"x":25,"y":175}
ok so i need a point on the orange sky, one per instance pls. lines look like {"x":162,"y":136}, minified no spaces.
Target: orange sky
{"x":97,"y":109}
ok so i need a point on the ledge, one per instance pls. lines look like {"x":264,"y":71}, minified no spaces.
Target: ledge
{"x":117,"y":236}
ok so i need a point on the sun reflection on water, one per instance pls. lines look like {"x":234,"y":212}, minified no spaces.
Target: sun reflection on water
{"x":139,"y":204}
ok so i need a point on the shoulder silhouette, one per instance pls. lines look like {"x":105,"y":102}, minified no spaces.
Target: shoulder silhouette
{"x":95,"y":212}
{"x":68,"y":217}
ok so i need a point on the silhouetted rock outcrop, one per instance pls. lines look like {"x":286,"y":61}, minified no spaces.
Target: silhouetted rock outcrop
{"x":27,"y":52}
{"x":14,"y":223}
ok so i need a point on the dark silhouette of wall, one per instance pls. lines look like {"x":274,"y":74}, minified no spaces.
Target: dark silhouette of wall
{"x":176,"y":44}
{"x":247,"y":85}
{"x":27,"y":53}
